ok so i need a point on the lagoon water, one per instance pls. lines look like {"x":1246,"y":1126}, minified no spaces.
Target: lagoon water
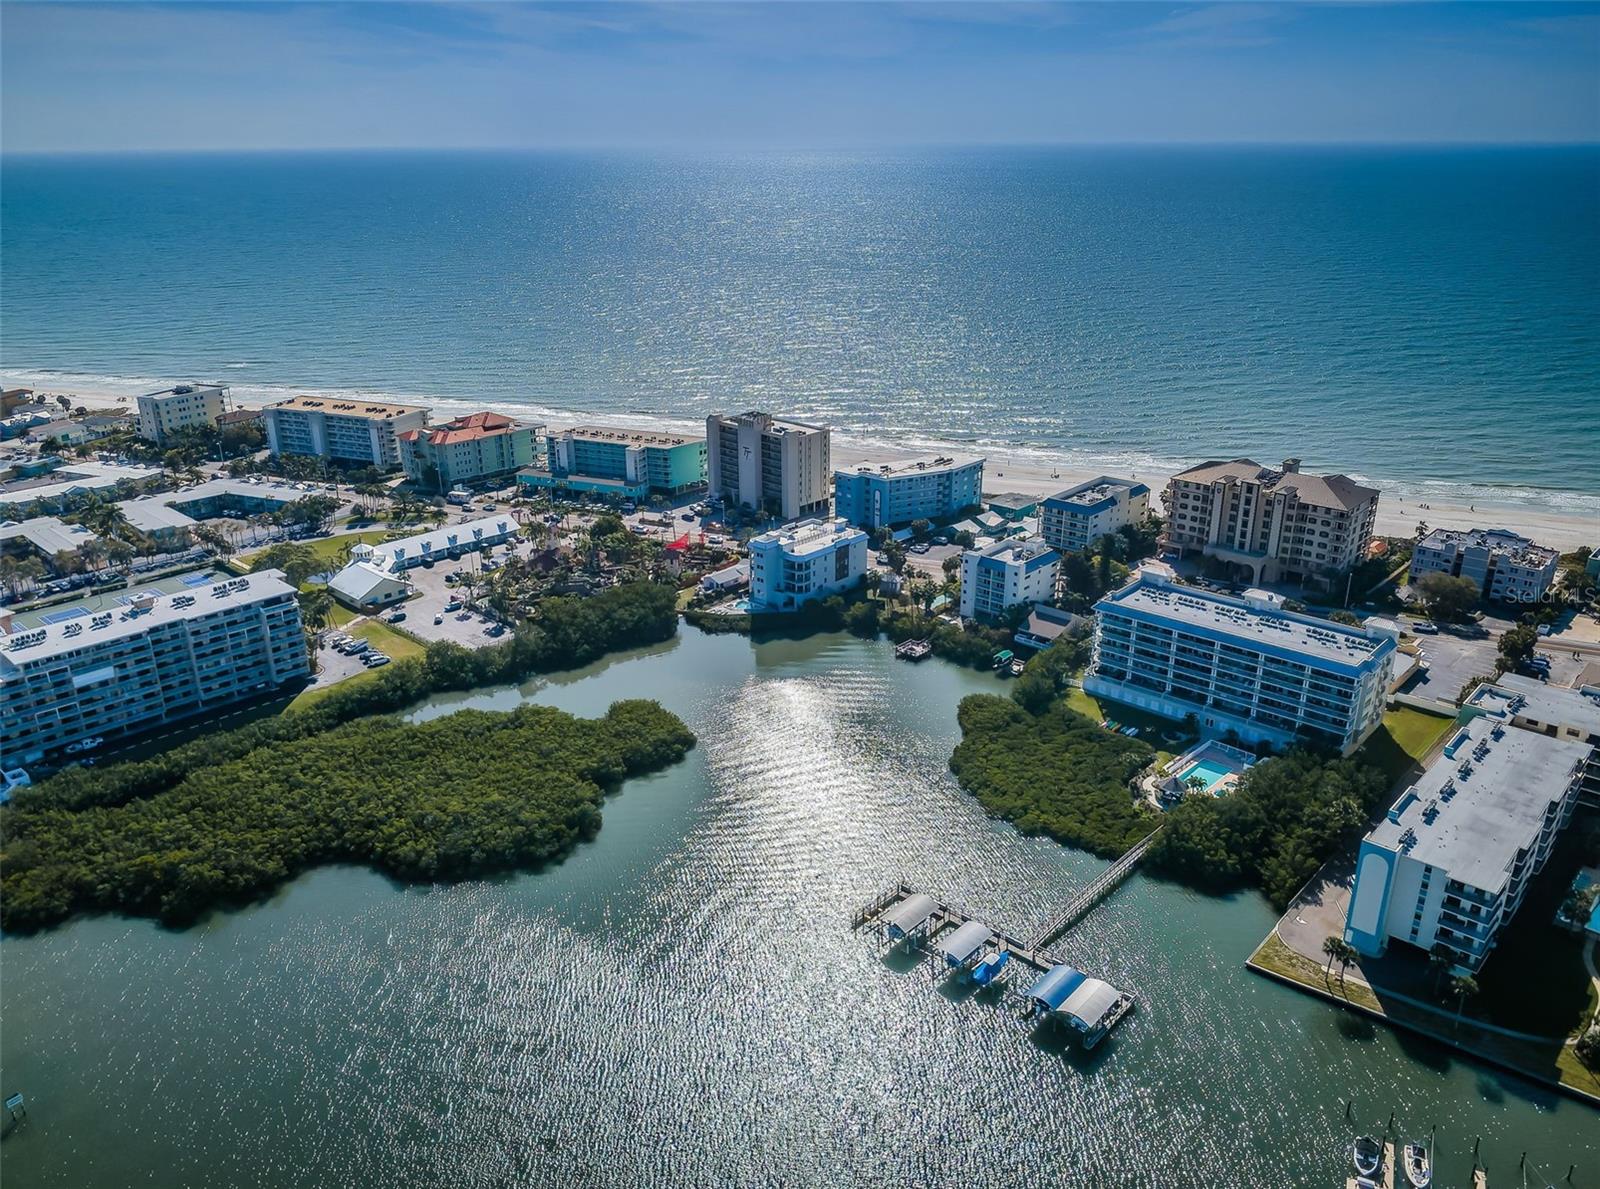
{"x":1428,"y":319}
{"x":681,"y":1002}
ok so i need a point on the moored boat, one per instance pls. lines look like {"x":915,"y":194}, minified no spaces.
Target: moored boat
{"x":1367,"y":1154}
{"x":1419,"y":1168}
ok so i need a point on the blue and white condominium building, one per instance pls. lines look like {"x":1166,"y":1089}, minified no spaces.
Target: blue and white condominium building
{"x":800,"y":562}
{"x":118,"y":664}
{"x":933,"y":488}
{"x":1451,"y":862}
{"x":1239,"y":664}
{"x":1074,"y":519}
{"x":1000,"y":577}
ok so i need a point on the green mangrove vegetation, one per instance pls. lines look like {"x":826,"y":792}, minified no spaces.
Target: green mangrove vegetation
{"x":462,"y":795}
{"x":1281,"y":823}
{"x":1054,"y":772}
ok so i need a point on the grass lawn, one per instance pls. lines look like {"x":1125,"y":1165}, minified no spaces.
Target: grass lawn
{"x":326,"y":549}
{"x":1153,"y":729}
{"x":384,"y":638}
{"x":1402,"y":739}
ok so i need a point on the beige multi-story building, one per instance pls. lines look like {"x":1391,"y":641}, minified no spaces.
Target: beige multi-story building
{"x":109,"y":666}
{"x":161,"y":414}
{"x":1273,"y":524}
{"x":782,"y":467}
{"x":341,"y":430}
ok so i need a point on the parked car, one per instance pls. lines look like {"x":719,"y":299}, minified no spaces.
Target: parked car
{"x":453,"y":605}
{"x":377,"y":660}
{"x":397,"y":617}
{"x":1425,"y":627}
{"x":439,"y":618}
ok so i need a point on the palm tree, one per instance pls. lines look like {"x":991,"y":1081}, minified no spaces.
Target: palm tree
{"x":1333,"y":946}
{"x":1463,"y":987}
{"x":316,"y":607}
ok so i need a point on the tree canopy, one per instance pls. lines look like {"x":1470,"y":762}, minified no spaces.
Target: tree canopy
{"x":462,"y":795}
{"x":1281,"y":822}
{"x":1053,"y":773}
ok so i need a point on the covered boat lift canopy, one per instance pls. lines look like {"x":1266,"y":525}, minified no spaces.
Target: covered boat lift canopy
{"x":912,"y":915}
{"x":1088,"y":1006}
{"x":1053,"y":987}
{"x":963,"y":945}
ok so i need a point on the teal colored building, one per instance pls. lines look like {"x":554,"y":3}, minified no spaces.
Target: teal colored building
{"x":601,"y":459}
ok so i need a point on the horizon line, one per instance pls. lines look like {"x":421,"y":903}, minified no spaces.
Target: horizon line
{"x":624,"y":147}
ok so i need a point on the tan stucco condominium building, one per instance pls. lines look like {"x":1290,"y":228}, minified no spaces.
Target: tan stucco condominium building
{"x":1273,"y":524}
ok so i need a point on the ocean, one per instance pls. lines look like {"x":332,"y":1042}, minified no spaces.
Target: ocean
{"x":1424,"y":318}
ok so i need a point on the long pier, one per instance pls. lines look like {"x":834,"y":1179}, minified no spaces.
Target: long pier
{"x":1101,"y":887}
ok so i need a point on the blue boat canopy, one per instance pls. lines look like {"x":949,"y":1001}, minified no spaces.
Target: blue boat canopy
{"x":1054,"y":986}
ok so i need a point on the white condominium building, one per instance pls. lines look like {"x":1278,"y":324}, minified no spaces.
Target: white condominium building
{"x":782,"y":467}
{"x":1504,"y":566}
{"x":1451,"y":862}
{"x":163,"y":413}
{"x":1240,"y":665}
{"x":995,"y":579}
{"x":800,"y":562}
{"x":1073,"y":520}
{"x":341,"y":430}
{"x":114,"y":665}
{"x":1273,"y":524}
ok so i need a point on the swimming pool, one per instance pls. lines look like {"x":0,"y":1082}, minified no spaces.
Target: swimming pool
{"x":1209,"y":772}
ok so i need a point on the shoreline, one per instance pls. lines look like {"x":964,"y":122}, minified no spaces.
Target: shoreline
{"x":1027,"y":470}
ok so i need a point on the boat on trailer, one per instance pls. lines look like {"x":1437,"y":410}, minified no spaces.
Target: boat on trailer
{"x":1367,"y":1154}
{"x":1419,"y":1168}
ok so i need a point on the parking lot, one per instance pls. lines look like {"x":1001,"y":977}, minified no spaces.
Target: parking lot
{"x":434,"y":591}
{"x":1452,"y":658}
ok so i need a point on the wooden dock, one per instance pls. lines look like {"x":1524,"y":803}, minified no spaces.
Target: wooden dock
{"x":1101,"y":887}
{"x":951,"y":914}
{"x":914,"y":650}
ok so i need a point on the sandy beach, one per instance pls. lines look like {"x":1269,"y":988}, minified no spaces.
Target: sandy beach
{"x":1031,"y":474}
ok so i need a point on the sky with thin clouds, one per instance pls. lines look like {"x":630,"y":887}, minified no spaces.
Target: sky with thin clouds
{"x":790,"y":74}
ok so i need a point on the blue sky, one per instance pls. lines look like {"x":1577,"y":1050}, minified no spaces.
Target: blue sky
{"x":786,"y":74}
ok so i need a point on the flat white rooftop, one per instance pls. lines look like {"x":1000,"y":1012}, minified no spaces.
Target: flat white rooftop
{"x":1254,"y":621}
{"x":177,"y":391}
{"x":1477,"y":806}
{"x":808,"y":536}
{"x":1499,"y":542}
{"x":928,"y":464}
{"x":345,"y":407}
{"x":96,"y":618}
{"x":1540,"y":702}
